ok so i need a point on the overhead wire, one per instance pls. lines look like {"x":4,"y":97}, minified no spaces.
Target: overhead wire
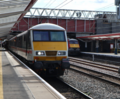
{"x":65,"y":4}
{"x":72,"y":0}
{"x":95,"y":22}
{"x":81,"y":25}
{"x":52,"y":3}
{"x":103,"y":7}
{"x":60,"y":4}
{"x":48,"y":3}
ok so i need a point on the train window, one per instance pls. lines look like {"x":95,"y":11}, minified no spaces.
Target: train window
{"x":73,"y":42}
{"x":48,"y":35}
{"x":28,"y":40}
{"x":41,"y":35}
{"x":57,"y":36}
{"x":24,"y":41}
{"x":20,"y":41}
{"x":76,"y":42}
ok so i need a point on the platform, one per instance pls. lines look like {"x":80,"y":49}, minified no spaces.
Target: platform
{"x":103,"y":54}
{"x":18,"y":82}
{"x":104,"y":57}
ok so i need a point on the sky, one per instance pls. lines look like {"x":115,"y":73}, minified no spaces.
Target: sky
{"x":97,"y":5}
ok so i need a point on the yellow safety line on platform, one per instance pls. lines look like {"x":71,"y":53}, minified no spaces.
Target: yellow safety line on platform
{"x":1,"y":78}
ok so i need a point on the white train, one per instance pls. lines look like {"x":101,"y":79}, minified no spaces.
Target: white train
{"x":44,"y":48}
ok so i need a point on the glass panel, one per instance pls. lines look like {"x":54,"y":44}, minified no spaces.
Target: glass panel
{"x":41,"y":35}
{"x":76,"y":42}
{"x":57,"y":36}
{"x":48,"y":35}
{"x":73,"y":42}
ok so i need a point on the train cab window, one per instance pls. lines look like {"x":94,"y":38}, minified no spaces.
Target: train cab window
{"x":48,"y":36}
{"x":41,"y":36}
{"x":76,"y":42}
{"x":57,"y":36}
{"x":73,"y":42}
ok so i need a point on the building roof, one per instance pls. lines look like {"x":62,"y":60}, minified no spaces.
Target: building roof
{"x":47,"y":26}
{"x":11,"y":12}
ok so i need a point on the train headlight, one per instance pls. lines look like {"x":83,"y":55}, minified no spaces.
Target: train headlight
{"x":61,"y":53}
{"x":40,"y":53}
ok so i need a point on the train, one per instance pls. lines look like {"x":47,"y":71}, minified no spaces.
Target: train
{"x":44,"y":47}
{"x":73,"y":47}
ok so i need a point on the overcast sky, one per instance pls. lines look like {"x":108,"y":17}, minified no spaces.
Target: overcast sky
{"x":99,"y":5}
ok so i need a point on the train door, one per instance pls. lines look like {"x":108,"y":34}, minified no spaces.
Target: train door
{"x":28,"y":45}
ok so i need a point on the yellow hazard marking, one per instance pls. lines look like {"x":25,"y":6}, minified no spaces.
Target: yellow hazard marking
{"x":1,"y":79}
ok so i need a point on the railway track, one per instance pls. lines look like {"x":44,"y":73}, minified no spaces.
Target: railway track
{"x":105,"y":72}
{"x":65,"y":89}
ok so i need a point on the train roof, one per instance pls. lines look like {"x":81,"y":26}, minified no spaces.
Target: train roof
{"x":43,"y":26}
{"x":47,"y":26}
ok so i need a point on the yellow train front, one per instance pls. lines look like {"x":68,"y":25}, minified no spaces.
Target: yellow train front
{"x":44,"y":48}
{"x":73,"y":47}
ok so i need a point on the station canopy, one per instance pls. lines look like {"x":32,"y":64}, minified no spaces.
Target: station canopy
{"x":11,"y":12}
{"x":101,"y":37}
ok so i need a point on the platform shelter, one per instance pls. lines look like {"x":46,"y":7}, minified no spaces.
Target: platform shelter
{"x":114,"y":36}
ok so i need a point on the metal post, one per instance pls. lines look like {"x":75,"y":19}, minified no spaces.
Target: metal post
{"x":116,"y":46}
{"x":93,"y":56}
{"x":84,"y":25}
{"x":38,"y":20}
{"x":18,"y":26}
{"x":119,"y":70}
{"x":91,"y":46}
{"x":57,"y":21}
{"x":97,"y":46}
{"x":66,"y":24}
{"x":118,"y":15}
{"x":28,"y":23}
{"x":75,"y":25}
{"x":1,"y":44}
{"x":86,"y":46}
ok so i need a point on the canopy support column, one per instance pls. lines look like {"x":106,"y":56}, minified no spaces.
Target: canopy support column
{"x":86,"y":46}
{"x":116,"y":46}
{"x":97,"y":46}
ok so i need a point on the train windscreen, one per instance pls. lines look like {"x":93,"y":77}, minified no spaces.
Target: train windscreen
{"x":73,"y":42}
{"x":48,"y":35}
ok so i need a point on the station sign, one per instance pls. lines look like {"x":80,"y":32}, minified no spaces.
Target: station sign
{"x":111,"y":46}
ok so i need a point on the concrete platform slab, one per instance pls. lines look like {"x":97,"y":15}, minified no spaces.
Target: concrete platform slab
{"x":20,"y":83}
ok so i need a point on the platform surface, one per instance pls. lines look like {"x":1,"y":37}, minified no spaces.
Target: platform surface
{"x":17,"y":82}
{"x":105,"y":54}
